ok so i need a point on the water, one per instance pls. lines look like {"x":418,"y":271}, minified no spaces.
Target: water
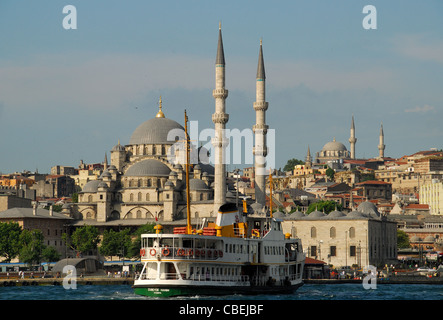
{"x":306,"y":292}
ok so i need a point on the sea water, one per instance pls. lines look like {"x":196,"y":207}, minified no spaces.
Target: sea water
{"x":306,"y":292}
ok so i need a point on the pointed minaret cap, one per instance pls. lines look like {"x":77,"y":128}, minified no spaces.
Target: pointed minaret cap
{"x":160,"y":113}
{"x":220,"y":60}
{"x":261,"y":65}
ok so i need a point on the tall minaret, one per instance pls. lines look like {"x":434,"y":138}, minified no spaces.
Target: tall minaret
{"x":352,"y":139}
{"x":220,"y":118}
{"x":381,"y":146}
{"x":308,"y":160}
{"x":260,"y":130}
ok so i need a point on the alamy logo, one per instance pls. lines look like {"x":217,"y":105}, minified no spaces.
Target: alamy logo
{"x":70,"y":280}
{"x":370,"y":280}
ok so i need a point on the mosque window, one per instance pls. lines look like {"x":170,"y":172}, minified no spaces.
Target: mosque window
{"x":131,"y":197}
{"x":351,"y":232}
{"x":313,"y":232}
{"x":139,"y":196}
{"x":139,"y":214}
{"x":332,"y":232}
{"x":147,"y":197}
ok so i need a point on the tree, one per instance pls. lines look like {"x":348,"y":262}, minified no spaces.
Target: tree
{"x":116,"y":243}
{"x":32,"y":246}
{"x":10,"y":240}
{"x":83,"y":239}
{"x":291,"y":164}
{"x":50,"y":254}
{"x":402,"y":240}
{"x":330,"y":173}
{"x":324,"y":205}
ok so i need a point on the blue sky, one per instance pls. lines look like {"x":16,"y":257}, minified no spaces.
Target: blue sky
{"x":70,"y":95}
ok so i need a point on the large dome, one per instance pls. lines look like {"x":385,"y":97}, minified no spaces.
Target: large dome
{"x":149,"y":167}
{"x":334,"y":146}
{"x":156,"y":131}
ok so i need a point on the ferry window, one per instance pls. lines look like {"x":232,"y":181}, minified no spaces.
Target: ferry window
{"x":166,"y":242}
{"x":230,"y":248}
{"x":226,"y":247}
{"x":187,"y":243}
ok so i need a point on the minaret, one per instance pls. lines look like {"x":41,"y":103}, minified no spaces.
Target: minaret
{"x":220,"y":118}
{"x":308,"y":160}
{"x":352,"y":139}
{"x":260,"y":130}
{"x":381,"y":146}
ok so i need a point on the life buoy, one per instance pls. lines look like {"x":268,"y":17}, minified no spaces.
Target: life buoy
{"x":190,"y":252}
{"x":202,"y":253}
{"x":142,"y":252}
{"x":165,"y":251}
{"x":152,"y":252}
{"x":180,"y":252}
{"x":209,"y":253}
{"x":215,"y":253}
{"x":197,"y":253}
{"x":220,"y":253}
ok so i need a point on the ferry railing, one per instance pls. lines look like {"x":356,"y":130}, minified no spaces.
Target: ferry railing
{"x":181,"y":253}
{"x":218,"y":278}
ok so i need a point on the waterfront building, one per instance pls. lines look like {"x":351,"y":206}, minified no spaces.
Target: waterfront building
{"x":432,"y":195}
{"x":360,"y":238}
{"x":52,"y":224}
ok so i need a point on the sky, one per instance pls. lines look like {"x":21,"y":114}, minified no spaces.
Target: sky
{"x":71,"y":94}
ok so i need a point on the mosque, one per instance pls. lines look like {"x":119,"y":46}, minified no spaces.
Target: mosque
{"x":141,"y":185}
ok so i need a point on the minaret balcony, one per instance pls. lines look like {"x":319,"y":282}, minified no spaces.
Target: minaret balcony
{"x":220,"y":118}
{"x":260,"y":128}
{"x":260,"y":106}
{"x":220,"y":93}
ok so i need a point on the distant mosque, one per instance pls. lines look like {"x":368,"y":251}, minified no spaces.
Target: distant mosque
{"x":335,"y":150}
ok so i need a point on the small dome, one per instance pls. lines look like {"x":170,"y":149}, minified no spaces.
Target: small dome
{"x":296,"y":215}
{"x":91,"y":186}
{"x":335,"y":214}
{"x":118,"y":148}
{"x":197,"y":184}
{"x":415,"y":239}
{"x":112,"y":167}
{"x":106,"y":174}
{"x":149,"y":167}
{"x":279,"y":215}
{"x":369,"y":209}
{"x":356,"y":215}
{"x":316,"y":215}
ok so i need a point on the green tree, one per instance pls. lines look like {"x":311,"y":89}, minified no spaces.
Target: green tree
{"x":402,"y":239}
{"x":10,"y":240}
{"x":324,"y":205}
{"x":83,"y":239}
{"x":330,"y":173}
{"x":116,"y":243}
{"x":32,"y":246}
{"x":50,"y":254}
{"x":291,"y":164}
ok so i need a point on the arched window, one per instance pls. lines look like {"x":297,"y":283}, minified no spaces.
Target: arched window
{"x":131,"y":197}
{"x":149,"y":182}
{"x":351,"y":232}
{"x":139,"y":196}
{"x":139,"y":214}
{"x":313,"y":232}
{"x":147,"y":197}
{"x":332,"y":232}
{"x":89,"y":198}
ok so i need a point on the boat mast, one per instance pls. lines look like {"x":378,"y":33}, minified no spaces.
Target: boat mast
{"x":270,"y":191}
{"x":188,"y":207}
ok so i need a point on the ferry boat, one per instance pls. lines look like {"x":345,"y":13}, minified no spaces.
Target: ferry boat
{"x":239,"y":253}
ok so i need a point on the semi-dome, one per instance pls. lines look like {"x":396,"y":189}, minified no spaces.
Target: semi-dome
{"x":334,"y":146}
{"x":156,"y":130}
{"x":91,"y":186}
{"x":197,"y":184}
{"x":149,"y":167}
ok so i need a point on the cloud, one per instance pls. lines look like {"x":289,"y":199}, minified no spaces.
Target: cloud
{"x":419,"y":46}
{"x":418,"y":109}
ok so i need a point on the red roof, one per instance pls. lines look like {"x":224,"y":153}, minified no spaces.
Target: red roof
{"x":372,"y":182}
{"x":417,"y":206}
{"x":313,"y":261}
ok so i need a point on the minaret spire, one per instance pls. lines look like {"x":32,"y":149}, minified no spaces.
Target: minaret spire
{"x":352,"y":139}
{"x":220,"y":118}
{"x":381,"y":146}
{"x":260,"y":130}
